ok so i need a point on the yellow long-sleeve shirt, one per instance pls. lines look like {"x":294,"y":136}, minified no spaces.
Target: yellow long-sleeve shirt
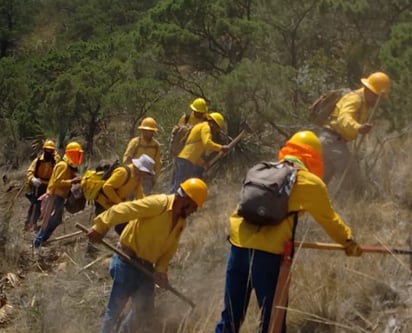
{"x":60,"y":181}
{"x":349,"y":114}
{"x":192,"y":120}
{"x":119,"y":186}
{"x":310,"y":195}
{"x":150,"y":232}
{"x":198,"y":142}
{"x":139,"y":146}
{"x":44,"y":168}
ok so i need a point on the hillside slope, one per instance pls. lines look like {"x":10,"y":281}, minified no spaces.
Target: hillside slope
{"x":48,"y":291}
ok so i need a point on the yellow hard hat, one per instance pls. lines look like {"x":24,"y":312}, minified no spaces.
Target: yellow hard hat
{"x":217,"y":118}
{"x":74,"y":146}
{"x":49,"y":144}
{"x":199,"y":105}
{"x":149,"y":124}
{"x":74,"y":153}
{"x":307,"y":138}
{"x":195,"y":189}
{"x":306,"y":147}
{"x":378,"y":83}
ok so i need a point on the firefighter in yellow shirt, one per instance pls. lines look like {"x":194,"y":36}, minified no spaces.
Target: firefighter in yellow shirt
{"x":124,"y":183}
{"x":38,"y":176}
{"x":145,"y":144}
{"x":189,"y":162}
{"x":151,"y":238}
{"x":256,"y":251}
{"x":347,"y":121}
{"x":198,"y":114}
{"x":65,"y":174}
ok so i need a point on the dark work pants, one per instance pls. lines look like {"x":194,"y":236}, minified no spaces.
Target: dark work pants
{"x":129,"y":283}
{"x":34,"y":210}
{"x":246,"y":270}
{"x":184,"y":169}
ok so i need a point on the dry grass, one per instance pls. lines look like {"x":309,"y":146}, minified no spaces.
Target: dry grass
{"x":329,"y":291}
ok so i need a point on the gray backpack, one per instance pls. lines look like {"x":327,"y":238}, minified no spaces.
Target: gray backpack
{"x":265,"y":193}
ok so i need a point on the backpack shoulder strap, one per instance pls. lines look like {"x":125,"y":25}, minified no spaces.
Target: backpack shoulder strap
{"x":129,"y":173}
{"x":187,"y":116}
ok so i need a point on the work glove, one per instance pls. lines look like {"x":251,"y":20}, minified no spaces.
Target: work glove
{"x":36,"y":182}
{"x":352,"y":249}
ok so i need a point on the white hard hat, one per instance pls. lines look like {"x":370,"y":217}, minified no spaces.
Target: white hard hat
{"x":144,"y":163}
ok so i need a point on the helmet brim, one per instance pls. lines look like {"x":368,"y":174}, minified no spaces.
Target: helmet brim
{"x":147,"y":128}
{"x":365,"y":82}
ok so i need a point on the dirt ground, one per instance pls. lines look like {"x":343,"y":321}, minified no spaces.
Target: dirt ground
{"x":83,"y":281}
{"x":60,"y":289}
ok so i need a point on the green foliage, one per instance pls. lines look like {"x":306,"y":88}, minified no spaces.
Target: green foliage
{"x":249,"y":93}
{"x":396,"y":55}
{"x":16,"y":18}
{"x":397,"y":51}
{"x":208,"y":36}
{"x":13,"y":98}
{"x":260,"y":61}
{"x":95,"y":19}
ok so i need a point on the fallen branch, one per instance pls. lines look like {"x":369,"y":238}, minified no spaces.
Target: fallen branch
{"x":106,"y":255}
{"x":73,"y":234}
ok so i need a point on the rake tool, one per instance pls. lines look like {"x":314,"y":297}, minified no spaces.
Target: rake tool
{"x":365,"y":248}
{"x":138,"y":266}
{"x":245,"y":129}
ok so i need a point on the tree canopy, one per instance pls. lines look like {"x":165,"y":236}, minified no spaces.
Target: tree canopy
{"x":72,"y":69}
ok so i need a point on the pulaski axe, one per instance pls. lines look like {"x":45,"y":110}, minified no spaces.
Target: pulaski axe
{"x":244,"y":129}
{"x":134,"y":263}
{"x":365,"y":248}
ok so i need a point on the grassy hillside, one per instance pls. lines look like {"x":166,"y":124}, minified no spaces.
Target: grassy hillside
{"x":50,"y":292}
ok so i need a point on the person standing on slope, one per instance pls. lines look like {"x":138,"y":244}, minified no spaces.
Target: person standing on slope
{"x":151,"y":239}
{"x":256,"y":251}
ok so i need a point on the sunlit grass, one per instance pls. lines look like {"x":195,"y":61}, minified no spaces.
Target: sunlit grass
{"x":329,"y":292}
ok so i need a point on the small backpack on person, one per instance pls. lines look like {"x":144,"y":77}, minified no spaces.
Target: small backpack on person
{"x":265,"y":193}
{"x":93,"y":180}
{"x":178,"y":137}
{"x":322,"y":108}
{"x":76,"y":201}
